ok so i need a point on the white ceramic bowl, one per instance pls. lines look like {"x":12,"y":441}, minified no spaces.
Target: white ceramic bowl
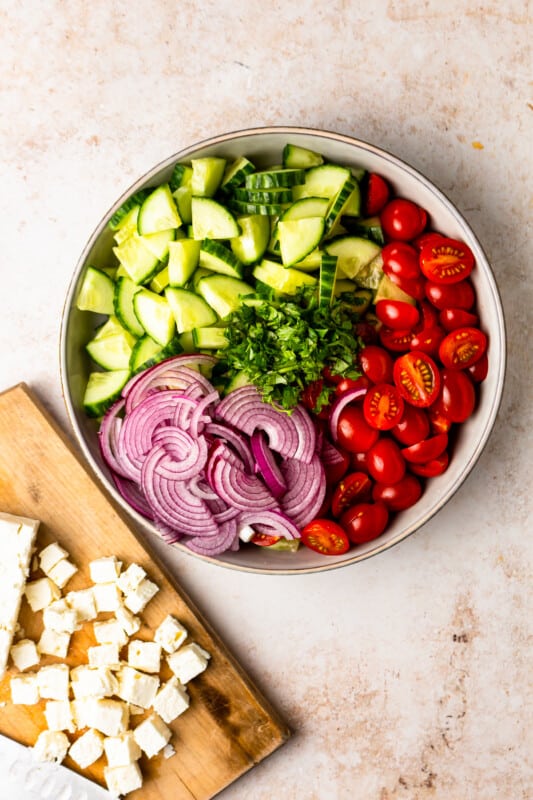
{"x":263,"y":146}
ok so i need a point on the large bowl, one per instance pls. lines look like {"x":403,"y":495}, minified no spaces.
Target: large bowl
{"x":264,"y":146}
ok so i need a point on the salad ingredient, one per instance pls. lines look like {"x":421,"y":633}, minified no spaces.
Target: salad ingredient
{"x":462,"y":347}
{"x":377,"y":194}
{"x":451,"y":295}
{"x":385,"y":461}
{"x":446,"y":261}
{"x":326,"y":537}
{"x":353,"y":432}
{"x":400,"y":495}
{"x":383,"y":406}
{"x":457,"y":397}
{"x":479,"y":370}
{"x":365,"y":521}
{"x":376,"y":364}
{"x":431,"y":468}
{"x":400,"y":259}
{"x":413,"y":426}
{"x":353,"y":488}
{"x":396,"y":314}
{"x":417,"y":377}
{"x":396,"y":341}
{"x":402,"y":219}
{"x":426,"y":450}
{"x":452,"y":318}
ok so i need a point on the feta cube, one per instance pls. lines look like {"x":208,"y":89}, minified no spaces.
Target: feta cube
{"x":25,"y":689}
{"x":54,"y":643}
{"x":188,"y":662}
{"x":59,"y":617}
{"x":152,"y":735}
{"x":24,"y":654}
{"x":170,"y":634}
{"x":87,"y":749}
{"x":110,"y":632}
{"x":145,"y":656}
{"x":62,"y":572}
{"x":51,"y":746}
{"x":136,"y":711}
{"x":122,"y":780}
{"x":41,"y":593}
{"x":131,"y":578}
{"x":50,"y":556}
{"x":130,"y":623}
{"x":138,"y":599}
{"x":82,"y":710}
{"x":136,"y":687}
{"x":171,"y":700}
{"x":105,"y":570}
{"x":107,"y":596}
{"x":58,"y":715}
{"x":54,"y":682}
{"x":82,"y":601}
{"x":110,"y":717}
{"x":168,"y":751}
{"x":121,"y":750}
{"x":104,"y":655}
{"x":90,"y":681}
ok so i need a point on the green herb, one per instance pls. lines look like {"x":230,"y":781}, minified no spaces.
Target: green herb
{"x":284,"y":343}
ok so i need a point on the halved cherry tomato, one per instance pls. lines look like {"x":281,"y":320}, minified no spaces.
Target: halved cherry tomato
{"x":438,"y":421}
{"x":385,"y":461}
{"x":452,"y":318}
{"x":446,"y":261}
{"x":417,"y":377}
{"x":264,"y":539}
{"x":398,"y":496}
{"x":456,"y":295}
{"x":413,"y":426}
{"x":383,"y":406}
{"x":334,"y":472}
{"x":326,"y":537}
{"x":430,"y":318}
{"x":402,"y":219}
{"x":432,"y":468}
{"x":377,"y":194}
{"x":365,"y":521}
{"x":353,"y":431}
{"x":462,"y":347}
{"x":355,"y":487}
{"x":457,"y":398}
{"x":358,"y":462}
{"x":426,"y":238}
{"x":397,"y":341}
{"x":428,"y":340}
{"x":397,"y":315}
{"x":346,"y":384}
{"x":399,"y":258}
{"x":427,"y":450}
{"x":479,"y":371}
{"x":376,"y":364}
{"x":415,"y":288}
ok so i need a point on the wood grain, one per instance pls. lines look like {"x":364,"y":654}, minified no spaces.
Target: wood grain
{"x":229,"y":726}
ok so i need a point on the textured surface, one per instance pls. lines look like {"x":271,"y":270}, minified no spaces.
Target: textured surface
{"x":406,"y":676}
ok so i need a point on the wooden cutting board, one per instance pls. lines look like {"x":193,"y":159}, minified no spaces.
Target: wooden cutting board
{"x":229,"y":726}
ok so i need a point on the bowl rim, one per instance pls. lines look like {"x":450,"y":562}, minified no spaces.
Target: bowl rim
{"x":288,"y":130}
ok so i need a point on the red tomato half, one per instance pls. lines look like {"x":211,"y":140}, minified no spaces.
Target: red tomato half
{"x":397,"y":315}
{"x":400,"y":259}
{"x":383,"y":406}
{"x":385,"y":461}
{"x":353,"y":431}
{"x":462,"y":347}
{"x":264,"y":539}
{"x":365,"y":521}
{"x":376,"y":363}
{"x":426,"y":238}
{"x":397,"y":341}
{"x":452,"y":318}
{"x":438,"y":421}
{"x":432,"y":468}
{"x":413,"y":426}
{"x":457,"y":397}
{"x":428,"y":340}
{"x":427,"y":450}
{"x":479,"y":371}
{"x":377,"y":194}
{"x":456,"y":295}
{"x":417,"y":377}
{"x":446,"y":261}
{"x":326,"y":537}
{"x":402,"y":219}
{"x":354,"y":488}
{"x":398,"y":496}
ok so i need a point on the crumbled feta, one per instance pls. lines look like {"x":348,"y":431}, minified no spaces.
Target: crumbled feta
{"x":131,"y":578}
{"x":170,"y":634}
{"x":145,"y":656}
{"x":24,"y":654}
{"x":136,"y":687}
{"x":130,"y":623}
{"x":188,"y":662}
{"x":110,"y":632}
{"x":51,"y":746}
{"x":152,"y":735}
{"x":104,"y":655}
{"x":50,"y":556}
{"x":171,"y":700}
{"x":87,"y":749}
{"x":107,"y":596}
{"x":54,"y":682}
{"x":58,"y":715}
{"x":82,"y":601}
{"x":121,"y":750}
{"x":41,"y":593}
{"x":138,"y":599}
{"x":105,"y":570}
{"x":122,"y":780}
{"x":54,"y":643}
{"x":90,"y":681}
{"x":25,"y":689}
{"x":62,"y":572}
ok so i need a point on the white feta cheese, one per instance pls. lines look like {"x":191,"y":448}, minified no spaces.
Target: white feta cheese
{"x":90,"y":681}
{"x":130,"y":623}
{"x":152,"y":735}
{"x":123,"y":780}
{"x":50,"y":556}
{"x":168,"y":751}
{"x":246,"y":532}
{"x":170,"y":634}
{"x":110,"y":717}
{"x":131,"y":578}
{"x":58,"y":715}
{"x":145,"y":656}
{"x":121,"y":750}
{"x":136,"y":711}
{"x":107,"y":596}
{"x":62,"y":572}
{"x":138,"y":599}
{"x":41,"y":593}
{"x":54,"y":643}
{"x":171,"y":700}
{"x":105,"y":570}
{"x":188,"y":662}
{"x":110,"y":632}
{"x":81,"y":711}
{"x":87,"y":749}
{"x":54,"y":682}
{"x":25,"y":689}
{"x":59,"y":617}
{"x":51,"y":746}
{"x":104,"y":655}
{"x":136,"y":687}
{"x":82,"y":601}
{"x":24,"y":654}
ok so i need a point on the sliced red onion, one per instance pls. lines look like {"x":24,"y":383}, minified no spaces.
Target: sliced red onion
{"x":306,"y":489}
{"x":133,"y":495}
{"x":329,"y":454}
{"x":201,"y":415}
{"x":108,"y":436}
{"x":183,"y":457}
{"x":276,"y":522}
{"x":235,"y":439}
{"x":140,"y":424}
{"x":267,"y":465}
{"x":237,"y":488}
{"x":201,"y":488}
{"x":349,"y":396}
{"x":227,"y":539}
{"x":184,"y":411}
{"x":177,"y":377}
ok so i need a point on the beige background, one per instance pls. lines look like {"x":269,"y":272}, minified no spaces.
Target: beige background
{"x":406,"y":676}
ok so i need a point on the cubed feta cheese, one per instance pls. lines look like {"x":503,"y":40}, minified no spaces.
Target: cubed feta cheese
{"x":90,"y":681}
{"x":122,"y":780}
{"x":138,"y":599}
{"x":144,"y":655}
{"x":54,"y":682}
{"x":110,"y":717}
{"x":110,"y":632}
{"x":24,"y":654}
{"x":168,"y":751}
{"x":25,"y":689}
{"x":41,"y":593}
{"x":131,"y":578}
{"x":107,"y":596}
{"x":51,"y":746}
{"x":58,"y":715}
{"x":170,"y":634}
{"x":104,"y":655}
{"x":188,"y":662}
{"x":105,"y":570}
{"x":62,"y":572}
{"x":121,"y":750}
{"x":87,"y":749}
{"x":54,"y":643}
{"x":152,"y":735}
{"x":82,"y":601}
{"x":136,"y":687}
{"x":50,"y":556}
{"x":82,"y":710}
{"x":171,"y":700}
{"x":130,"y":623}
{"x":59,"y":617}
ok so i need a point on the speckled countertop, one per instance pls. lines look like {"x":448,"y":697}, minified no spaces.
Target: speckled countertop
{"x":408,"y":675}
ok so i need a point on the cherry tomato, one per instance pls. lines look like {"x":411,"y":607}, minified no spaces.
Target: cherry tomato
{"x":383,"y":406}
{"x":452,"y":318}
{"x":353,"y":431}
{"x":355,"y":487}
{"x":456,"y":295}
{"x":462,"y":347}
{"x":366,"y":331}
{"x":417,"y":377}
{"x":310,"y":396}
{"x":385,"y":461}
{"x":334,"y":472}
{"x":413,"y":426}
{"x":478,"y":371}
{"x":346,"y":384}
{"x":426,"y":238}
{"x":365,"y":521}
{"x":397,"y":315}
{"x":432,"y":468}
{"x":377,"y":194}
{"x":427,"y":450}
{"x":397,"y":341}
{"x":446,"y":261}
{"x":430,"y":318}
{"x":326,"y":537}
{"x":402,"y":219}
{"x":358,"y":462}
{"x":438,"y":421}
{"x":264,"y":539}
{"x":415,"y":288}
{"x":399,"y":258}
{"x":376,"y":364}
{"x":457,"y":398}
{"x":398,"y":496}
{"x":428,"y":340}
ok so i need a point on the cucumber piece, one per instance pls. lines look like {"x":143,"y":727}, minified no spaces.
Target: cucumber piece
{"x":186,"y":342}
{"x":343,"y":286}
{"x":158,"y":212}
{"x":112,"y":352}
{"x":212,"y":338}
{"x":198,"y":274}
{"x":268,"y":209}
{"x":125,"y":291}
{"x":339,"y":202}
{"x":354,"y":253}
{"x":96,"y":292}
{"x":323,"y":181}
{"x":299,"y":237}
{"x":273,"y":178}
{"x":158,"y":242}
{"x":111,"y":326}
{"x":103,"y":388}
{"x":159,"y":281}
{"x":367,"y":228}
{"x":155,"y":315}
{"x":263,"y":195}
{"x":189,"y":310}
{"x":207,"y":174}
{"x":135,"y":199}
{"x":307,"y":207}
{"x":212,"y":220}
{"x":250,"y":246}
{"x":326,"y":283}
{"x":136,"y":258}
{"x":311,"y":262}
{"x":285,"y":545}
{"x":223,"y":293}
{"x":181,"y":176}
{"x":219,"y":258}
{"x":387,"y":290}
{"x":370,"y":275}
{"x":238,"y":380}
{"x":282,"y":279}
{"x":235,"y":173}
{"x":146,"y":353}
{"x":128,"y":226}
{"x":353,"y":204}
{"x":183,"y":198}
{"x":300,"y":157}
{"x":182,"y":261}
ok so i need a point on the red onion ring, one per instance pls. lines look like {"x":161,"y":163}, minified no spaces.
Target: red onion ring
{"x":277,"y":523}
{"x":267,"y":465}
{"x":349,"y":396}
{"x":306,"y":489}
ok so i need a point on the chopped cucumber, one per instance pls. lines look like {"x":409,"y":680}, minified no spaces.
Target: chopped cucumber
{"x":189,"y":310}
{"x":326,"y":283}
{"x":155,"y":315}
{"x":236,"y":173}
{"x":323,"y":181}
{"x":135,"y":199}
{"x":354,"y":253}
{"x":207,"y":174}
{"x":268,"y":209}
{"x":339,"y":202}
{"x":311,"y":262}
{"x":158,"y":212}
{"x":103,"y":388}
{"x":112,"y":352}
{"x":159,"y":281}
{"x":128,"y":225}
{"x":146,"y":353}
{"x":125,"y":291}
{"x":96,"y":292}
{"x":286,"y":280}
{"x":223,"y":293}
{"x":252,"y":243}
{"x":183,"y":198}
{"x":271,"y":179}
{"x":367,"y":228}
{"x":307,"y":207}
{"x":181,"y":176}
{"x":212,"y":220}
{"x":158,"y":243}
{"x":370,"y":275}
{"x":212,"y":338}
{"x":136,"y":258}
{"x":299,"y":237}
{"x":183,"y":258}
{"x":387,"y":290}
{"x":219,"y":258}
{"x":263,"y":195}
{"x":300,"y":157}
